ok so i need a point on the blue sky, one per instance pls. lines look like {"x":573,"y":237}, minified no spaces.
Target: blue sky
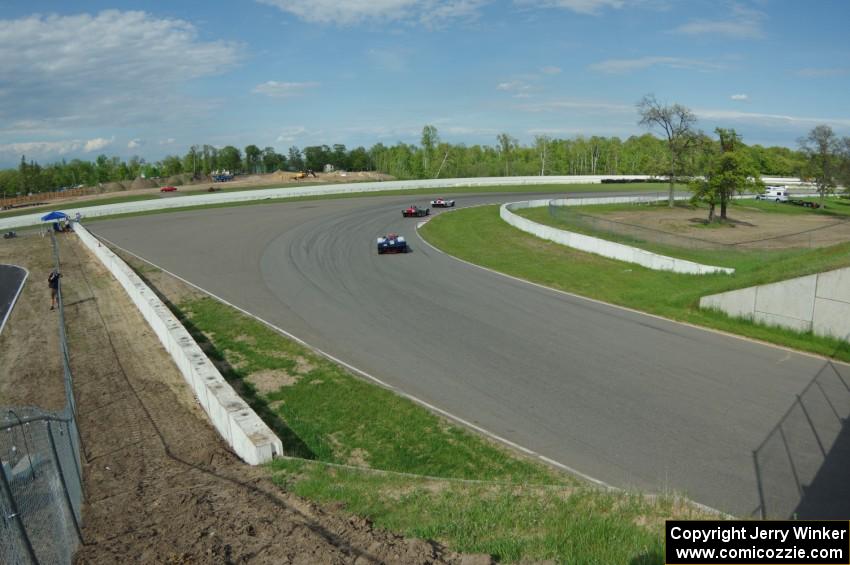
{"x":152,"y":78}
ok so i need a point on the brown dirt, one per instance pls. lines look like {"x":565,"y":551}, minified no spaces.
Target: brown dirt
{"x":29,"y":345}
{"x":749,"y":228}
{"x":271,"y":380}
{"x":160,"y":485}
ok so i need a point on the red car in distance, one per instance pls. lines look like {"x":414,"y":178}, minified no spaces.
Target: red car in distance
{"x":414,"y":211}
{"x":168,"y":189}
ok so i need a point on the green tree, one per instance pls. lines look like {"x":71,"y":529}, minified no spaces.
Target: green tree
{"x":339,"y":157}
{"x":252,"y":158}
{"x":730,"y":171}
{"x":506,"y":146}
{"x":541,"y":143}
{"x":822,"y":147}
{"x":272,"y":160}
{"x":677,"y":123}
{"x":171,"y":165}
{"x":230,"y":159}
{"x":316,"y":156}
{"x":359,"y":159}
{"x":429,"y":141}
{"x":296,"y":161}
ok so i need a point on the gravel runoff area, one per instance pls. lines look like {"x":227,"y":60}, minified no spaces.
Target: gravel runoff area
{"x":160,"y":485}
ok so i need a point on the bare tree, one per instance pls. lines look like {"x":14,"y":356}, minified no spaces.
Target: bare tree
{"x":677,"y":122}
{"x":506,"y":145}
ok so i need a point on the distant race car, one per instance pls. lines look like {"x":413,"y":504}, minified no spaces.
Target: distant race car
{"x":442,"y":203}
{"x":415,"y":212}
{"x":168,"y":189}
{"x":392,"y":243}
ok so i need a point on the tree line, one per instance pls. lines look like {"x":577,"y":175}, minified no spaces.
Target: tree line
{"x":679,"y":153}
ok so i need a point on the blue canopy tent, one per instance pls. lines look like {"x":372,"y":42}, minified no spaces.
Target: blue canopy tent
{"x":55,"y":217}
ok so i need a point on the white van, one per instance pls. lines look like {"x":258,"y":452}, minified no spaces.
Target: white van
{"x":775,"y":193}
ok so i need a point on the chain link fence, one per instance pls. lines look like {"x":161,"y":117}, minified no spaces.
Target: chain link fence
{"x":41,"y":486}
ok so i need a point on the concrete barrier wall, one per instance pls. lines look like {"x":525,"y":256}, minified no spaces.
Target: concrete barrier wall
{"x":299,"y":191}
{"x":819,"y":303}
{"x":599,"y":246}
{"x":234,"y":420}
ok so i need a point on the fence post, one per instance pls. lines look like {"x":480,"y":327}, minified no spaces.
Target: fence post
{"x":17,"y":515}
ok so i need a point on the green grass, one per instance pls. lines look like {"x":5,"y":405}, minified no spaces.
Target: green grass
{"x":558,"y":188}
{"x":339,"y":418}
{"x":470,"y":234}
{"x":511,"y":523}
{"x":437,"y":480}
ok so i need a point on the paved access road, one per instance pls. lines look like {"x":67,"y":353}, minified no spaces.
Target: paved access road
{"x":629,"y":399}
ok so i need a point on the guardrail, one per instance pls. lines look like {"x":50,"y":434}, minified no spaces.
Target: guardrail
{"x":298,"y":191}
{"x":235,"y":421}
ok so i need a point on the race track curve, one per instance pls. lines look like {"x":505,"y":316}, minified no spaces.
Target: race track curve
{"x":630,"y":399}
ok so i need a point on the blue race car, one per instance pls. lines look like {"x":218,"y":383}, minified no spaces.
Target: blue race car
{"x":392,"y":243}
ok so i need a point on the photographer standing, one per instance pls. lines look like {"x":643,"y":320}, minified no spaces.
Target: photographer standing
{"x":53,"y":283}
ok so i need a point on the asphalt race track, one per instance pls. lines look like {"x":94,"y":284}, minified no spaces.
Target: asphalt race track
{"x":11,"y":279}
{"x":626,"y":398}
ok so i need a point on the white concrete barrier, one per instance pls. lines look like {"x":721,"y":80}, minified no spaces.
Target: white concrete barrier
{"x":299,"y":191}
{"x":819,"y":303}
{"x":609,"y":249}
{"x":234,"y":420}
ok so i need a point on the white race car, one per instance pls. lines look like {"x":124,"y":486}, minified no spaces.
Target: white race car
{"x":443,"y":203}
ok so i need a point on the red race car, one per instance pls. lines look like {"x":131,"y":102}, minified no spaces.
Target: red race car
{"x":168,"y":189}
{"x":415,"y":212}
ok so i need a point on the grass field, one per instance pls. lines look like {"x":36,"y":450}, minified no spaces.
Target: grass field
{"x":470,"y":235}
{"x":386,"y":458}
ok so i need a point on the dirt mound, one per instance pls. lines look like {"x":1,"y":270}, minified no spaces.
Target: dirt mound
{"x":112,"y":187}
{"x":177,"y":180}
{"x":140,"y":182}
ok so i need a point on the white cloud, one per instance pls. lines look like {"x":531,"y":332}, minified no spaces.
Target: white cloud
{"x":619,"y":66}
{"x":746,"y":23}
{"x":551,"y":70}
{"x":40,"y":149}
{"x":770,"y":120}
{"x":61,"y":72}
{"x":583,"y":105}
{"x":290,"y":134}
{"x":589,"y":7}
{"x":351,"y":12}
{"x":822,"y":72}
{"x":276,"y":89}
{"x":96,"y":144}
{"x":739,"y":97}
{"x":134,"y":143}
{"x":517,"y":88}
{"x":168,"y":141}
